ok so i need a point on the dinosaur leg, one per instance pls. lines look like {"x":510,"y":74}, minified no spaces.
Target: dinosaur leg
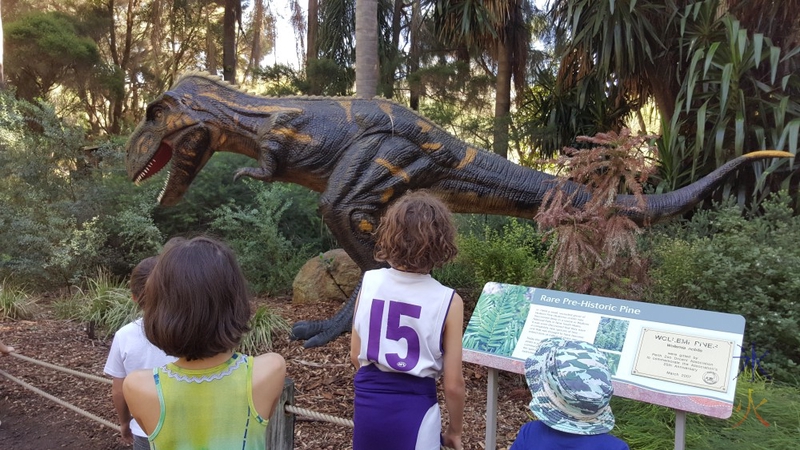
{"x":352,"y":230}
{"x":352,"y":211}
{"x":319,"y":332}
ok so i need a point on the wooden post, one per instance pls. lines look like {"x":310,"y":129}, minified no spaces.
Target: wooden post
{"x":280,"y":431}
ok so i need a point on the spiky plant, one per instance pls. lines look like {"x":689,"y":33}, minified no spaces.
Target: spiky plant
{"x":15,"y":303}
{"x":263,"y":324}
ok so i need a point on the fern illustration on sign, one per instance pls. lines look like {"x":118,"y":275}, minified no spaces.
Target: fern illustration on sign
{"x":497,"y":321}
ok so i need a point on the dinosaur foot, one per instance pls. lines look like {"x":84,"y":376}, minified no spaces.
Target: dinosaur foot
{"x":318,"y":332}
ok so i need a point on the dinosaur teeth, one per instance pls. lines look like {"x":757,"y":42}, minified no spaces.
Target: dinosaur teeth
{"x":164,"y":189}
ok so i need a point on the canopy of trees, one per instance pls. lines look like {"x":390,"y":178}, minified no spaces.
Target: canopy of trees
{"x":712,"y":78}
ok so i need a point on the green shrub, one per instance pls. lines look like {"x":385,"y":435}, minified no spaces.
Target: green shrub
{"x":37,"y":188}
{"x":722,"y":261}
{"x":507,"y":252}
{"x":273,"y":238}
{"x":15,"y":303}
{"x":67,"y":209}
{"x":263,"y":325}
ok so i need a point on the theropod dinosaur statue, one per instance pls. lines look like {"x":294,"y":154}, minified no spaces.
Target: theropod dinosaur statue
{"x":360,"y":155}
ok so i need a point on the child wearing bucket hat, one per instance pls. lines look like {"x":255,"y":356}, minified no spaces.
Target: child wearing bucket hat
{"x":571,"y":387}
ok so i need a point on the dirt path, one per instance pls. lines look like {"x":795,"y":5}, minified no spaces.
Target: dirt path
{"x":322,"y":376}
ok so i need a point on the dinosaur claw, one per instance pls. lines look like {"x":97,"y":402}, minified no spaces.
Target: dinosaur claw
{"x":319,"y":332}
{"x":306,"y":329}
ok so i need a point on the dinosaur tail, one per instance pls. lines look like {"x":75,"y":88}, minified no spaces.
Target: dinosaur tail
{"x":661,"y":206}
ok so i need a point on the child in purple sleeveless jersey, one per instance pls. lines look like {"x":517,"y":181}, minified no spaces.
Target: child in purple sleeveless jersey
{"x":407,"y":330}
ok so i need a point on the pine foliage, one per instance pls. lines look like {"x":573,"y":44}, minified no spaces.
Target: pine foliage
{"x":593,"y":247}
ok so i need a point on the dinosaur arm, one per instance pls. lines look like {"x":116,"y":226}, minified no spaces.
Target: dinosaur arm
{"x":265,"y":170}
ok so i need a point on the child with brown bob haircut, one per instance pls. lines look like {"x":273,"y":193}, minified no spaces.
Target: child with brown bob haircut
{"x":407,"y":330}
{"x":197,"y":308}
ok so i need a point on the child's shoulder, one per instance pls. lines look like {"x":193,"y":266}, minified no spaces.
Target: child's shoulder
{"x":270,"y":362}
{"x":130,"y":328}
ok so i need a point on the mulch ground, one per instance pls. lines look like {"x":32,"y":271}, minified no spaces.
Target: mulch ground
{"x":323,"y":379}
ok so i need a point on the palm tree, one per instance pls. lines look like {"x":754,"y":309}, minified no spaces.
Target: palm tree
{"x":366,"y":48}
{"x":312,"y":30}
{"x":721,"y":88}
{"x":499,"y":27}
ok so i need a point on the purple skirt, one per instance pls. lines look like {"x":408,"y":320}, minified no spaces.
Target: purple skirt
{"x":395,"y":411}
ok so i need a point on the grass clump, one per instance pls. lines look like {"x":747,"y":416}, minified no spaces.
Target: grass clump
{"x":15,"y":303}
{"x":105,"y":305}
{"x":263,"y":324}
{"x":772,"y":421}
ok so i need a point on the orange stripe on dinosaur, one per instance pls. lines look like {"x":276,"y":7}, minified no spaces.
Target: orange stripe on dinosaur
{"x":387,"y":108}
{"x":365,"y":226}
{"x":394,"y":170}
{"x":346,"y":106}
{"x":468,"y":158}
{"x":249,"y":106}
{"x":387,"y":195}
{"x":293,"y":135}
{"x":431,"y":146}
{"x":424,"y":126}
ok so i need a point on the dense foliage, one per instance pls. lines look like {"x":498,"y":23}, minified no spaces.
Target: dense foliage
{"x":723,"y":261}
{"x":67,"y":209}
{"x":722,"y":74}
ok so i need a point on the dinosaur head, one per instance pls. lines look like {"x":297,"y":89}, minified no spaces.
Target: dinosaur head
{"x":169,"y":132}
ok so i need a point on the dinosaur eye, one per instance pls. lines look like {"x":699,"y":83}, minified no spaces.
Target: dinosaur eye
{"x":155,"y":112}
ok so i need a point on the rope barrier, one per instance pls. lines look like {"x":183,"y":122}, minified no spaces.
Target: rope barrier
{"x":319,"y":416}
{"x":291,"y":409}
{"x":62,"y":369}
{"x":59,"y":401}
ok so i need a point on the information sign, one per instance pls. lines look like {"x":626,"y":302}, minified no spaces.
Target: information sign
{"x":676,"y":357}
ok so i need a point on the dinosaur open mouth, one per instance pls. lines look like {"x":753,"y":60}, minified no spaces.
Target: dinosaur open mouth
{"x":156,"y":163}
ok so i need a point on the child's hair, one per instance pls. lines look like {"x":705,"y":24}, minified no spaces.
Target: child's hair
{"x":197,"y":300}
{"x":139,"y":276}
{"x":416,"y":234}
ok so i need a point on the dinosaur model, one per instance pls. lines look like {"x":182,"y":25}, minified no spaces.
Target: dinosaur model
{"x":360,"y":154}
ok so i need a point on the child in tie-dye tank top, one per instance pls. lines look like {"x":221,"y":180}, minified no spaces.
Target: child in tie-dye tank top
{"x":197,"y":308}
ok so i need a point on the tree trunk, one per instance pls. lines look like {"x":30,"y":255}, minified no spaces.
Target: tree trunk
{"x":2,"y":74}
{"x":258,"y":30}
{"x":312,"y":31}
{"x":392,"y":52}
{"x":366,"y":48}
{"x":120,"y":61}
{"x":502,"y":103}
{"x":212,"y":57}
{"x":414,"y":83}
{"x":116,"y":101}
{"x":229,"y":41}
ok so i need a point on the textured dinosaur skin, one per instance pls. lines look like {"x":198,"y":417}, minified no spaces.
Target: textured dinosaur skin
{"x":360,"y":154}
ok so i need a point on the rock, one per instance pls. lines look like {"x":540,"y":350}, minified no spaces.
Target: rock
{"x":331,"y":276}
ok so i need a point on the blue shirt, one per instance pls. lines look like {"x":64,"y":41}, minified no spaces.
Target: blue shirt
{"x":535,"y":435}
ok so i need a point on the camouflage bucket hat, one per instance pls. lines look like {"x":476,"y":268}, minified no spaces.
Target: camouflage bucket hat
{"x":571,"y":387}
